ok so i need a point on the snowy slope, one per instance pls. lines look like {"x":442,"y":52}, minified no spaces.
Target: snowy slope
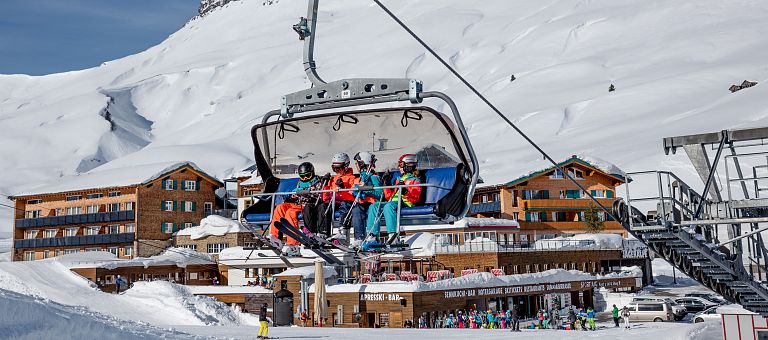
{"x":50,"y":280}
{"x":196,"y":95}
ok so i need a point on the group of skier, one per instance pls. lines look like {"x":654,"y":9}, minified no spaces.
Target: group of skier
{"x":361,"y":209}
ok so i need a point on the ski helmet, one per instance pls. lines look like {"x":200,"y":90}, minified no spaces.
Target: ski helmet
{"x":306,"y":171}
{"x":408,"y":162}
{"x":340,"y":161}
{"x":365,"y":160}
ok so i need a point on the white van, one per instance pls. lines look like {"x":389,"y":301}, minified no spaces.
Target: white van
{"x":655,"y":311}
{"x":678,"y":310}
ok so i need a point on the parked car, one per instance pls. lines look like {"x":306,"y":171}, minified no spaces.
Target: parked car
{"x":678,"y":310}
{"x":709,"y":297}
{"x":715,"y":313}
{"x":695,"y":304}
{"x":656,"y":311}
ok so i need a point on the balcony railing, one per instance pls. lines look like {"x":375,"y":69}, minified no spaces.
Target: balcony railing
{"x":479,"y":208}
{"x":114,"y":216}
{"x":74,"y":240}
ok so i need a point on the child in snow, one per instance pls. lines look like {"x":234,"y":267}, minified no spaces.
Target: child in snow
{"x":408,"y":165}
{"x":591,"y":318}
{"x":625,"y":316}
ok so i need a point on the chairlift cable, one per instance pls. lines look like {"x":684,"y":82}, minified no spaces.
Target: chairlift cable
{"x":490,"y":105}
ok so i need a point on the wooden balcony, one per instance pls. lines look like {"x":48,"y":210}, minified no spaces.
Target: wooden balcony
{"x":566,"y":226}
{"x":563,"y":204}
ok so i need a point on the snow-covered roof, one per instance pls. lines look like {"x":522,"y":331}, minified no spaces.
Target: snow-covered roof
{"x":588,"y":240}
{"x":308,"y":272}
{"x":213,"y":225}
{"x":112,"y":178}
{"x":228,"y":290}
{"x":266,"y":258}
{"x":477,"y":280}
{"x":252,"y":181}
{"x":180,"y":257}
{"x":591,"y":161}
{"x":468,"y":222}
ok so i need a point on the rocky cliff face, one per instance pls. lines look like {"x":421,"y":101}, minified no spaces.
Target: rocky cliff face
{"x":206,"y":6}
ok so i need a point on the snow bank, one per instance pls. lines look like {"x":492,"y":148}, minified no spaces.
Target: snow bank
{"x":25,"y":317}
{"x":180,"y":257}
{"x":421,"y":244}
{"x":213,"y":225}
{"x":5,"y":249}
{"x":228,"y":290}
{"x":157,"y":302}
{"x":308,"y":272}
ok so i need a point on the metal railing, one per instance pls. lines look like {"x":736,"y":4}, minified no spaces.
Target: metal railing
{"x":74,"y":240}
{"x":675,"y":202}
{"x":114,"y":216}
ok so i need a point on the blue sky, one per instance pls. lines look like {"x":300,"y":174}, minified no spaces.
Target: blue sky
{"x":48,"y":36}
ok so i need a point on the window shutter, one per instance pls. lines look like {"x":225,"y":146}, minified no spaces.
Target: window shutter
{"x":162,"y":227}
{"x":175,"y":206}
{"x":609,"y":193}
{"x":546,"y":194}
{"x":527,"y":216}
{"x":197,"y":185}
{"x":194,"y":206}
{"x":162,"y":205}
{"x":175,"y":185}
{"x":175,"y":227}
{"x":543,"y":217}
{"x":593,"y":193}
{"x":183,"y":185}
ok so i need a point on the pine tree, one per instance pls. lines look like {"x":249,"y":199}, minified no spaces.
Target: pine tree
{"x":592,"y":222}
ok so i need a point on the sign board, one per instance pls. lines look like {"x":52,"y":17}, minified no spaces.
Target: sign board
{"x":497,"y":271}
{"x":532,"y":288}
{"x":380,"y":297}
{"x":468,"y":271}
{"x":744,"y":327}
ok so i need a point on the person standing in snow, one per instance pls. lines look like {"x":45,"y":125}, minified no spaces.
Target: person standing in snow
{"x":572,"y":318}
{"x":591,"y":318}
{"x":615,"y":315}
{"x":410,"y":196}
{"x":625,"y":316}
{"x":118,"y":283}
{"x":263,"y":322}
{"x":515,"y":319}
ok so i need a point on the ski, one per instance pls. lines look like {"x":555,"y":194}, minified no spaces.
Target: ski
{"x":311,"y":243}
{"x":260,"y":236}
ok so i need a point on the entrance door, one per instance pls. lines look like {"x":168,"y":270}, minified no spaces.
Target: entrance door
{"x":370,"y":319}
{"x":395,"y":320}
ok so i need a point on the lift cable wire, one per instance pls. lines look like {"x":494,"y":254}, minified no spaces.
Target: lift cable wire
{"x":493,"y":107}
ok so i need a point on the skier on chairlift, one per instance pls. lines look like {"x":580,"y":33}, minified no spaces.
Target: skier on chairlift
{"x":408,"y":165}
{"x":343,"y":178}
{"x":293,"y":205}
{"x":366,"y":166}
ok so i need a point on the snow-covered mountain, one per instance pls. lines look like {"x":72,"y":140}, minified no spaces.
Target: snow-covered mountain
{"x":196,"y":95}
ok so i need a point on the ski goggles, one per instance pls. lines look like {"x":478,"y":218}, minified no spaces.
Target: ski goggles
{"x":338,"y":167}
{"x":305,"y":176}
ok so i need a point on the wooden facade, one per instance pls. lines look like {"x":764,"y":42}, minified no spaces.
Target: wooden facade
{"x":129,"y":221}
{"x":546,"y":204}
{"x":193,"y":274}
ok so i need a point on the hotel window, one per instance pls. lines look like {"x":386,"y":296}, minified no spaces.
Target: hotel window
{"x":59,"y":212}
{"x":74,"y":210}
{"x":128,"y":205}
{"x":169,"y":205}
{"x":215,"y":248}
{"x":601,"y":216}
{"x":128,"y":251}
{"x":92,"y":249}
{"x":50,"y":233}
{"x":598,"y":193}
{"x":167,"y":227}
{"x":74,"y":198}
{"x":535,"y":194}
{"x":208,"y":208}
{"x":484,"y":199}
{"x":575,"y":173}
{"x":193,"y":276}
{"x":113,"y":229}
{"x":57,"y":253}
{"x":33,"y":213}
{"x":187,"y":225}
{"x":29,"y":256}
{"x":46,"y":254}
{"x":71,"y":251}
{"x":558,"y":216}
{"x":29,"y":234}
{"x":113,"y":194}
{"x":496,"y":197}
{"x":558,"y":174}
{"x":169,"y":184}
{"x":112,"y":207}
{"x":248,"y":272}
{"x":94,"y":196}
{"x":92,"y":209}
{"x":69,"y":232}
{"x":113,"y":250}
{"x":188,"y":246}
{"x":37,"y":201}
{"x":190,"y":185}
{"x":130,"y":227}
{"x":190,"y":206}
{"x":515,"y":216}
{"x":92,"y":230}
{"x":250,"y":245}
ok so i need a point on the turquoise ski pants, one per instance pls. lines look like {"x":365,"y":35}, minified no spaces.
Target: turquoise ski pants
{"x":374,"y":220}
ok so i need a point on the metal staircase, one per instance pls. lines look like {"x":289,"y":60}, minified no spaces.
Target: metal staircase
{"x":715,"y":240}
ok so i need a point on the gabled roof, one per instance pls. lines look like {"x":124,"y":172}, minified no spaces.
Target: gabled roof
{"x":115,"y":178}
{"x":599,"y":165}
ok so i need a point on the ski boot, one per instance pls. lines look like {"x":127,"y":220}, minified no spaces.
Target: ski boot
{"x":291,"y":251}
